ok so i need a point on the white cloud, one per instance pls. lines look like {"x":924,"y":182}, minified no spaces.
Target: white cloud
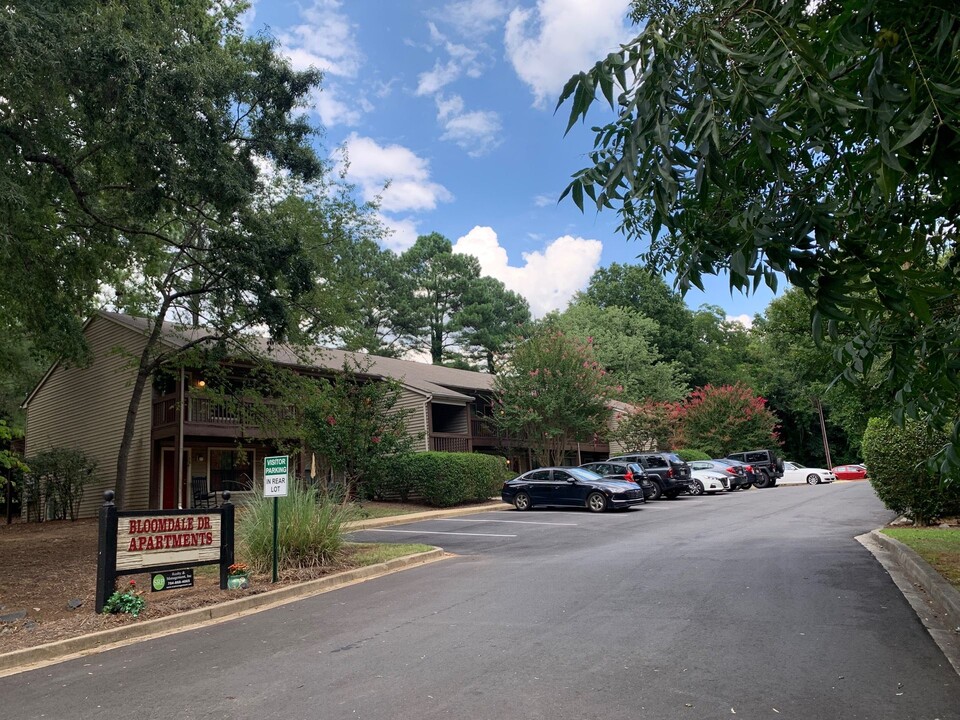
{"x":477,"y":132}
{"x":745,"y":320}
{"x":548,"y":277}
{"x":373,"y":165}
{"x":559,"y":38}
{"x":325,"y":39}
{"x":332,"y":110}
{"x":544,"y":200}
{"x":433,"y":80}
{"x":473,"y":18}
{"x":403,"y":232}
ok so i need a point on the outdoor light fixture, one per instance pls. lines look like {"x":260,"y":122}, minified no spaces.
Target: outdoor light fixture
{"x":201,"y":383}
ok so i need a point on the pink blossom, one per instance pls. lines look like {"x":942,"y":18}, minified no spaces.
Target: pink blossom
{"x":331,"y":420}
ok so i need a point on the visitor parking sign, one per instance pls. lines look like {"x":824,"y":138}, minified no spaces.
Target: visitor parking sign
{"x":275,"y":475}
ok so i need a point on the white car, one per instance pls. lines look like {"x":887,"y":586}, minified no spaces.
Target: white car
{"x":797,"y":473}
{"x":707,"y":481}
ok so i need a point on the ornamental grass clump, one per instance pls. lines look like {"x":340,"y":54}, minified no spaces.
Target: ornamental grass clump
{"x":310,"y":530}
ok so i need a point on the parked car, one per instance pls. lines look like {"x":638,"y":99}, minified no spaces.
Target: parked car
{"x":850,"y":472}
{"x":708,"y":481}
{"x":767,"y":466}
{"x":620,"y":470}
{"x":669,"y":474}
{"x":734,"y":472}
{"x":796,"y":472}
{"x":569,"y":487}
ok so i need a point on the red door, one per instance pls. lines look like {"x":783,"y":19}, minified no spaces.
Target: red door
{"x":168,"y":481}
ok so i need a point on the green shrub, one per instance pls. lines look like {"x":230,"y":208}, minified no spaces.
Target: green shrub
{"x":130,"y":601}
{"x":899,"y":474}
{"x":310,"y":529}
{"x":689,"y":455}
{"x":444,"y":479}
{"x":56,"y":481}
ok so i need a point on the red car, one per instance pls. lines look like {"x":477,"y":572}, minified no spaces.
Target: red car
{"x":850,"y":472}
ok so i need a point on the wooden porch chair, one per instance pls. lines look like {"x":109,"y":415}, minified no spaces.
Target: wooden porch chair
{"x":202,"y":497}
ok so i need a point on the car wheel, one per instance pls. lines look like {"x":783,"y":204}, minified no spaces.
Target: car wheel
{"x":813,"y":479}
{"x":697,"y":488}
{"x":672,"y":494}
{"x":596,"y":502}
{"x":747,"y":486}
{"x":521,"y":501}
{"x":657,"y":492}
{"x":763,"y":480}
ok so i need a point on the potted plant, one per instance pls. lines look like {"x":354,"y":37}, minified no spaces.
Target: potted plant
{"x":238,"y":576}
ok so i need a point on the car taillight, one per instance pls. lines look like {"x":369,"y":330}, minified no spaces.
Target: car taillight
{"x":629,"y":476}
{"x":732,"y":471}
{"x":749,"y":468}
{"x":670,"y":472}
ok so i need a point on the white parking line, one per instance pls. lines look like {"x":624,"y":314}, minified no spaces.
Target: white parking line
{"x":517,"y":522}
{"x":437,"y":532}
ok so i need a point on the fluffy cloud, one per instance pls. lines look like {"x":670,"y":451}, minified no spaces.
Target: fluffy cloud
{"x":548,"y":277}
{"x":325,"y":40}
{"x":372,"y":166}
{"x":403,"y":232}
{"x":477,"y":132}
{"x":745,"y":320}
{"x":544,"y":200}
{"x":473,"y":18}
{"x":558,"y":38}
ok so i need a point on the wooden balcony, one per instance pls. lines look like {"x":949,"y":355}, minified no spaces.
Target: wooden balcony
{"x":450,"y":442}
{"x":209,"y":416}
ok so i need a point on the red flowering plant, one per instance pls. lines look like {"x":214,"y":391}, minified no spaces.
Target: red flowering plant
{"x":724,"y":419}
{"x":130,"y":601}
{"x":551,"y":393}
{"x":353,"y":422}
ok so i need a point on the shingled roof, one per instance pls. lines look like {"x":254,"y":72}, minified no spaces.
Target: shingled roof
{"x":440,"y":383}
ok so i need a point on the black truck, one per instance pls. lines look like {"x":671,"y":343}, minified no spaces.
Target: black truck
{"x":767,"y":466}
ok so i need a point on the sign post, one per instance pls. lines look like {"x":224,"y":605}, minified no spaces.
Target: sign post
{"x":275,"y":476}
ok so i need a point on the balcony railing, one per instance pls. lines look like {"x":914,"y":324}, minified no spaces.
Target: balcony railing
{"x":209,"y":411}
{"x":449,"y":442}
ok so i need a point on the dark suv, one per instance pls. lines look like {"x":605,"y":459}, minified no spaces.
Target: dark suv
{"x":767,"y":467}
{"x":623,"y":470}
{"x":670,"y":475}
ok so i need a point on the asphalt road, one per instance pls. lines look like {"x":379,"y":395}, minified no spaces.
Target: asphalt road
{"x":755,"y":604}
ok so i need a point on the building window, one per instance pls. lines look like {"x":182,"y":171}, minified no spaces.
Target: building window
{"x":231,"y":470}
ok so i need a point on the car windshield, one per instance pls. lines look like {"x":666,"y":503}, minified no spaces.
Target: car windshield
{"x":798,"y":466}
{"x":674,"y":458}
{"x":582,"y":474}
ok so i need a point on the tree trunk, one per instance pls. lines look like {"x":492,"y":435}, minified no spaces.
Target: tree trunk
{"x":144,"y":371}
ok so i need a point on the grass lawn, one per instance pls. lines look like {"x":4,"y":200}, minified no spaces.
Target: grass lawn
{"x":938,"y":546}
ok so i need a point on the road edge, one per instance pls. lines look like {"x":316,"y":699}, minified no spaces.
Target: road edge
{"x":936,"y":602}
{"x":33,"y":658}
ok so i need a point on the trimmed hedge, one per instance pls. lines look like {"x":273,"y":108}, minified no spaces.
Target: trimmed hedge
{"x":689,"y":455}
{"x":899,"y":474}
{"x":444,"y":479}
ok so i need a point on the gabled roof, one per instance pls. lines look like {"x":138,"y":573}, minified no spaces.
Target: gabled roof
{"x":441,"y":383}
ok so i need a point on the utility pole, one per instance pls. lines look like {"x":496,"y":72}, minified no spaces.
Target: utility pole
{"x":823,"y":433}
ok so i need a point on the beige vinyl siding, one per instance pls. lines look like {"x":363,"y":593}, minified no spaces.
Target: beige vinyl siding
{"x":417,"y":405}
{"x":84,"y":408}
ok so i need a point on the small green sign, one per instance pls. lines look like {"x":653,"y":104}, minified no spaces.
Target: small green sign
{"x":171,"y":580}
{"x":275,"y":474}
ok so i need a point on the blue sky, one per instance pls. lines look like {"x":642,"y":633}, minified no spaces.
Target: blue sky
{"x":451,"y":101}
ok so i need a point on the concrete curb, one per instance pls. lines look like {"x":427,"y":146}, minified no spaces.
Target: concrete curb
{"x":427,"y":515}
{"x":31,"y":658}
{"x":946,"y":598}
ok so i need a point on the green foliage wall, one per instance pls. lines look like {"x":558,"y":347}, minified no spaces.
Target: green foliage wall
{"x":689,"y":455}
{"x":443,"y":479}
{"x":896,"y":457}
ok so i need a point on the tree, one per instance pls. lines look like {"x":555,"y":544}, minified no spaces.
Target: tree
{"x":551,"y":392}
{"x":649,"y":425}
{"x":441,"y":282}
{"x":724,"y":348}
{"x":638,"y":288}
{"x":492,"y":320}
{"x":132,"y":137}
{"x":721,"y":420}
{"x":354,"y":422}
{"x":814,"y":140}
{"x":624,"y":343}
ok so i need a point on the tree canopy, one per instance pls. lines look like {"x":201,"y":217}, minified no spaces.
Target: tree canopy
{"x":818,"y":141}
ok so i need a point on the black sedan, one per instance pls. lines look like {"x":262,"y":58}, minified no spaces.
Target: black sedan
{"x":570,"y":487}
{"x":621,"y":470}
